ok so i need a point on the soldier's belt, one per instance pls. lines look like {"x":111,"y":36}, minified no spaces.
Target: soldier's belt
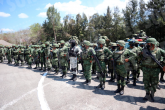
{"x":118,"y":63}
{"x":150,"y":66}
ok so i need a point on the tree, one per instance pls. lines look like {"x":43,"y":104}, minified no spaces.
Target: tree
{"x":53,"y":19}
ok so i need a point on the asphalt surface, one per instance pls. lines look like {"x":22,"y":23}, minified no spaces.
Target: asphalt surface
{"x":29,"y":89}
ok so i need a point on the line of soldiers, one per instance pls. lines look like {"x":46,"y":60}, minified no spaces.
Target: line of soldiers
{"x":97,"y":58}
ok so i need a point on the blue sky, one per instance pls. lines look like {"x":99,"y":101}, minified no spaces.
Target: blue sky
{"x":20,"y":14}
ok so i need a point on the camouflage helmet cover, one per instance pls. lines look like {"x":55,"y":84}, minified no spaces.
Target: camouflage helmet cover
{"x":62,"y":42}
{"x":151,"y":40}
{"x":101,"y":41}
{"x":121,"y":43}
{"x":87,"y":43}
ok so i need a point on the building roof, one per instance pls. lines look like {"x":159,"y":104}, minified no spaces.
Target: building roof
{"x":2,"y":42}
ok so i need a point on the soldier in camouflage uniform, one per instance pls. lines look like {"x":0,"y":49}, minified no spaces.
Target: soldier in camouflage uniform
{"x":54,"y":52}
{"x":28,"y":56}
{"x":42,"y":57}
{"x":1,"y":53}
{"x":120,"y":57}
{"x":94,"y":63}
{"x":20,"y":55}
{"x":36,"y":56}
{"x":110,"y":66}
{"x":47,"y":56}
{"x":103,"y":55}
{"x":87,"y":61}
{"x":63,"y":57}
{"x":132,"y":66}
{"x":9,"y":55}
{"x":150,"y":68}
{"x":16,"y":52}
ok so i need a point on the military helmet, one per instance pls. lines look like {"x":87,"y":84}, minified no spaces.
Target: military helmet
{"x":62,"y":42}
{"x":121,"y":43}
{"x":55,"y":45}
{"x":47,"y":43}
{"x":87,"y":43}
{"x":43,"y":45}
{"x":141,"y":30}
{"x":101,"y":41}
{"x":151,"y":40}
{"x":113,"y":44}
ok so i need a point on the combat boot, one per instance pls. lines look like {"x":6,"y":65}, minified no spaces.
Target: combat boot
{"x":118,"y":88}
{"x":100,"y":85}
{"x":85,"y":81}
{"x":112,"y":78}
{"x":134,"y":81}
{"x":147,"y":96}
{"x":63,"y":75}
{"x":17,"y":64}
{"x":122,"y":90}
{"x":103,"y":86}
{"x":158,"y":86}
{"x":41,"y":68}
{"x":88,"y":81}
{"x":162,"y":80}
{"x":152,"y":96}
{"x":44,"y":69}
{"x":72,"y":77}
{"x":35,"y":68}
{"x":128,"y":81}
{"x":75,"y":77}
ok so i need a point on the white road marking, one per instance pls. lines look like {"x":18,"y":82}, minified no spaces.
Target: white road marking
{"x":41,"y":97}
{"x":16,"y":100}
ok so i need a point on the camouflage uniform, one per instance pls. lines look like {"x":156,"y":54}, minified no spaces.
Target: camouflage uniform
{"x":16,"y":52}
{"x":1,"y":53}
{"x":42,"y":58}
{"x":55,"y":58}
{"x":20,"y":55}
{"x":120,"y":69}
{"x":47,"y":55}
{"x":63,"y":57}
{"x":87,"y":61}
{"x":36,"y":56}
{"x":28,"y":56}
{"x":150,"y":68}
{"x":9,"y":55}
{"x":103,"y":55}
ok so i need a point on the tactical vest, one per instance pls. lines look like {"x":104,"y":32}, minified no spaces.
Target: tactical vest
{"x":118,"y":53}
{"x":148,"y":61}
{"x":55,"y":54}
{"x":86,"y":54}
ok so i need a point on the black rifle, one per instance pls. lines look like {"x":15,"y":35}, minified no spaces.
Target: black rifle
{"x":98,"y":63}
{"x":149,"y":53}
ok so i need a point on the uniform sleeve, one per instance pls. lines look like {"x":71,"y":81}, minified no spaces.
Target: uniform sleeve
{"x":130,"y":53}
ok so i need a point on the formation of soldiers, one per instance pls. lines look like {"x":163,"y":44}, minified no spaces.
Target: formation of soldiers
{"x":101,"y":59}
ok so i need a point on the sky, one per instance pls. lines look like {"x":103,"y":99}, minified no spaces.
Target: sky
{"x":16,"y":15}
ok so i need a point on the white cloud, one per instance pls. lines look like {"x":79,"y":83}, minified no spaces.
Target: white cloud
{"x":7,"y":30}
{"x":75,"y":7}
{"x":2,"y":14}
{"x":48,"y":5}
{"x":42,"y":14}
{"x":38,"y":9}
{"x":23,"y":15}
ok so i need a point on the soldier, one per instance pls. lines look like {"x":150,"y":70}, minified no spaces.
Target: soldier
{"x":74,"y":52}
{"x":42,"y":57}
{"x":103,"y":55}
{"x":132,"y":66}
{"x":28,"y":55}
{"x":94,"y":63}
{"x":20,"y":56}
{"x":142,"y":33}
{"x":16,"y":52}
{"x":119,"y":57}
{"x":54,"y":52}
{"x":47,"y":55}
{"x":1,"y":53}
{"x":36,"y":56}
{"x":63,"y":58}
{"x":87,"y":58}
{"x":150,"y":68}
{"x":110,"y":66}
{"x":9,"y":55}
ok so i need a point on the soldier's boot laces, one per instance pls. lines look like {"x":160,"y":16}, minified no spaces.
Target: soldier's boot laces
{"x":122,"y":90}
{"x":152,"y":96}
{"x":147,"y":96}
{"x":118,"y":88}
{"x":134,"y":82}
{"x":88,"y":81}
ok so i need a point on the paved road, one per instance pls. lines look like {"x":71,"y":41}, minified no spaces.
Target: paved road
{"x":29,"y":89}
